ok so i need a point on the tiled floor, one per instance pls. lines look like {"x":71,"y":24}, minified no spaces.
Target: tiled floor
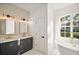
{"x":56,"y":52}
{"x":33,"y":52}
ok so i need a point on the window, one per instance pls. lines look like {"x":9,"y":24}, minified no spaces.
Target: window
{"x":65,"y":26}
{"x":76,"y":26}
{"x":70,"y":26}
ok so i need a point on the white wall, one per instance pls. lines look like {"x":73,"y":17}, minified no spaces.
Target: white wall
{"x":38,"y":28}
{"x":50,"y":29}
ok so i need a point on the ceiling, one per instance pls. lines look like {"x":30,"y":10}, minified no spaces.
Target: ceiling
{"x":28,"y":6}
{"x":60,"y":5}
{"x":33,"y":6}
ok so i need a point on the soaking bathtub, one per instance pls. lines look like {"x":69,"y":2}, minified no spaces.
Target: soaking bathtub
{"x":66,"y":48}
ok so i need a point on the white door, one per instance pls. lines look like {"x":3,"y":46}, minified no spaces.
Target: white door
{"x":41,"y":34}
{"x":39,"y":30}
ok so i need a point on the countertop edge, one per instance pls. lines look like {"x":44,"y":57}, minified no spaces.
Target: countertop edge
{"x":8,"y":40}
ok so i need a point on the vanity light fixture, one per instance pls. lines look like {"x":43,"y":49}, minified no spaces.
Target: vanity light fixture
{"x":4,"y":16}
{"x":23,"y":19}
{"x":8,"y":16}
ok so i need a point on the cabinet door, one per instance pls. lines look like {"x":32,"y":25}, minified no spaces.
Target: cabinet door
{"x":9,"y":48}
{"x":25,"y":45}
{"x":29,"y":43}
{"x":0,"y":49}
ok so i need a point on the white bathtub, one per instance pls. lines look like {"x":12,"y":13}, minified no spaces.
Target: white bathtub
{"x":67,"y":51}
{"x":67,"y":48}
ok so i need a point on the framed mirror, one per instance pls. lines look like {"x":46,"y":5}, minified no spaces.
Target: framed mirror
{"x":22,"y":27}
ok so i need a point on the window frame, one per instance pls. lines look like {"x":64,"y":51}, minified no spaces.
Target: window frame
{"x":71,"y":20}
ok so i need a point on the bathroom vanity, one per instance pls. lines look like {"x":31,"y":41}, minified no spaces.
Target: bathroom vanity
{"x":9,"y":48}
{"x":16,"y":46}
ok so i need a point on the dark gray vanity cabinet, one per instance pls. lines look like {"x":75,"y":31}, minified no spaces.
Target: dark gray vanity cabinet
{"x":26,"y":44}
{"x":9,"y":48}
{"x":12,"y":47}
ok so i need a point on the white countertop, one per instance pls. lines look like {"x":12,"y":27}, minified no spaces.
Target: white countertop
{"x":7,"y":40}
{"x":68,"y":45}
{"x":17,"y":38}
{"x":25,"y":37}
